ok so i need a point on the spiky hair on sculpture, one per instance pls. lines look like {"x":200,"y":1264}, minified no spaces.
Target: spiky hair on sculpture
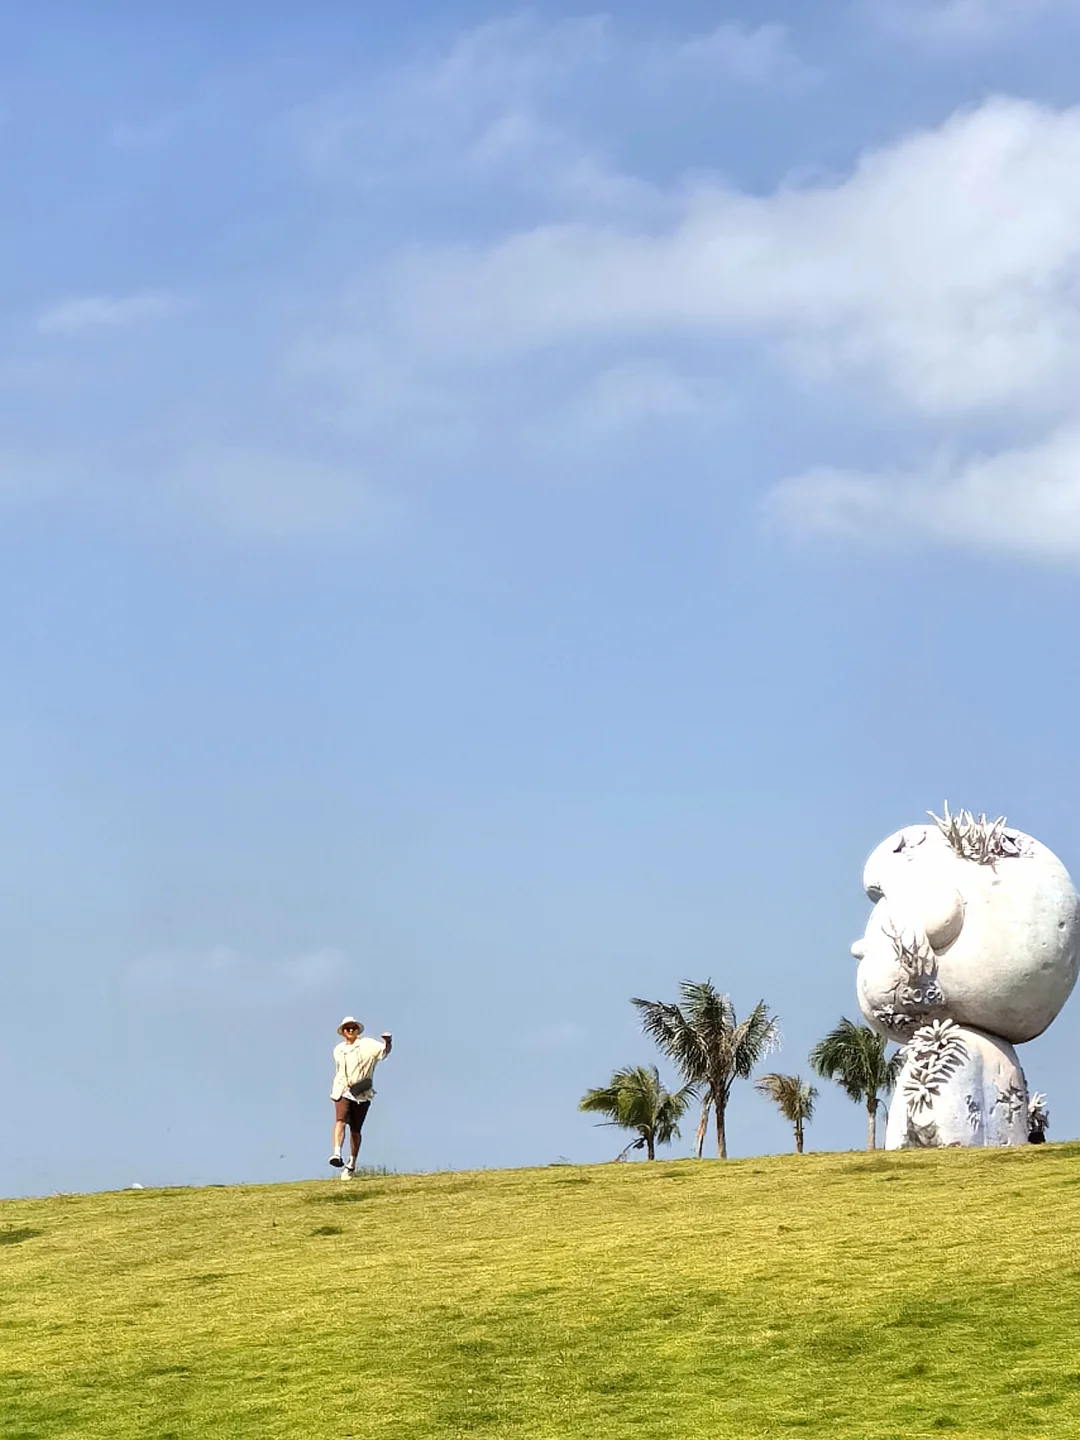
{"x":977,"y":838}
{"x":1038,"y":1114}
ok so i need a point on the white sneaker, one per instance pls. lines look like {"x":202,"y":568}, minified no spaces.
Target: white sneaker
{"x":347,"y":1173}
{"x":336,"y":1161}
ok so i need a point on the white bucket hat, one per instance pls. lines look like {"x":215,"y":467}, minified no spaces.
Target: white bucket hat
{"x":349,"y":1020}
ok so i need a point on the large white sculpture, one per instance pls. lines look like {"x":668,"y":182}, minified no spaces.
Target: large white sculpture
{"x":973,"y":946}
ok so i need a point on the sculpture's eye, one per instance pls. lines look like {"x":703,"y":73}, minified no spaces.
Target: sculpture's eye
{"x":875,"y":893}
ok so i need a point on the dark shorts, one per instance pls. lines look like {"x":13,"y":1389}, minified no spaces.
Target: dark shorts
{"x":352,"y":1112}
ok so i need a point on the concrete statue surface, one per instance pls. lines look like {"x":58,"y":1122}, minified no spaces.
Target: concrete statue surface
{"x":973,"y":947}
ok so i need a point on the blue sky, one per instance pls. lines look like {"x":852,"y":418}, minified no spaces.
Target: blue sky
{"x":500,"y":511}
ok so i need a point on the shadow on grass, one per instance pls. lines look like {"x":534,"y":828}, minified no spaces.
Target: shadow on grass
{"x":869,"y":1166}
{"x":348,"y":1195}
{"x":930,"y":1314}
{"x":16,"y":1237}
{"x":170,"y":1192}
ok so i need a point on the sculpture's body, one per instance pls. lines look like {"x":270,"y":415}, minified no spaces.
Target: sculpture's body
{"x":973,"y":946}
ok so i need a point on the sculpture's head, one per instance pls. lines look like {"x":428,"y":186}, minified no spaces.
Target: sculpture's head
{"x":971,"y":922}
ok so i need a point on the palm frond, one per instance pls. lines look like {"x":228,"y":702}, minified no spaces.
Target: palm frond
{"x":606,"y":1100}
{"x":854,"y":1056}
{"x":757,"y":1036}
{"x":674,"y":1036}
{"x":669,"y":1112}
{"x":636,"y":1099}
{"x":703,"y":1036}
{"x":793,"y":1097}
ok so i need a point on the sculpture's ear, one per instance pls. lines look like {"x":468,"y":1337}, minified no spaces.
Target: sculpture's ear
{"x":931,"y":905}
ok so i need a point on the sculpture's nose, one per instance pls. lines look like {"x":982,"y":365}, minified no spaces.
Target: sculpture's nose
{"x":859,"y":948}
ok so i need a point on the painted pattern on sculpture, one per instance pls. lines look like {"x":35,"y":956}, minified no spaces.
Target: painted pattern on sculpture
{"x":973,"y":947}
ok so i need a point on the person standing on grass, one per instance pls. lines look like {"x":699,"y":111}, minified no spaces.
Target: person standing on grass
{"x":354,"y":1065}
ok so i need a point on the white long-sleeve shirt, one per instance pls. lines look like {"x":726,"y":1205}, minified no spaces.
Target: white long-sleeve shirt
{"x":355,"y":1060}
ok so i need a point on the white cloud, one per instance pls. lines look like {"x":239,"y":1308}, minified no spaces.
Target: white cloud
{"x":938,"y":279}
{"x":492,"y":111}
{"x":1023,"y":501}
{"x":493,"y":108}
{"x":632,"y":392}
{"x":942,"y":274}
{"x":947,"y":264}
{"x":105,"y":312}
{"x":473,"y":106}
{"x":962,"y":22}
{"x":755,"y":56}
{"x":245,"y":491}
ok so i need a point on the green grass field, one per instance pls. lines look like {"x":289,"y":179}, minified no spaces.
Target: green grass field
{"x":832,"y":1295}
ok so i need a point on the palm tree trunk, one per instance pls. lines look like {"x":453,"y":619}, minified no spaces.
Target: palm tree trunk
{"x":871,"y":1106}
{"x":703,"y":1124}
{"x":798,"y":1137}
{"x":721,"y":1129}
{"x":650,"y":1145}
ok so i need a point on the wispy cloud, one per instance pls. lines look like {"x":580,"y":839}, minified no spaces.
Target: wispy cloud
{"x":892,"y":269}
{"x":951,"y":23}
{"x":1023,"y":501}
{"x":282,"y":497}
{"x":493,"y":107}
{"x":941,"y":274}
{"x":490,"y":112}
{"x":755,"y":56}
{"x":471,"y":105}
{"x":938,"y":279}
{"x":631,"y":393}
{"x":105,"y":312}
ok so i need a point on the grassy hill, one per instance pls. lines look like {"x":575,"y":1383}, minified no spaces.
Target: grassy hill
{"x":828,"y":1296}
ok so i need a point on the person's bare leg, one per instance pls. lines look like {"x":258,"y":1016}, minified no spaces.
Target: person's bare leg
{"x":339,"y":1136}
{"x":354,"y":1145}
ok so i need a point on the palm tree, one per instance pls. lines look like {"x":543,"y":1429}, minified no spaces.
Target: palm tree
{"x":854,"y":1056}
{"x":711,"y":1048}
{"x":636,"y":1100}
{"x":795,"y":1100}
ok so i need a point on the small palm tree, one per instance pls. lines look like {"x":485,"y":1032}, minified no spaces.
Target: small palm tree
{"x":636,"y":1100}
{"x":711,"y":1048}
{"x":794,"y":1098}
{"x":854,"y":1056}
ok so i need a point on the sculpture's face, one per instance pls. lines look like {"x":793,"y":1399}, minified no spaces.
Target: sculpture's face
{"x":994,"y":946}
